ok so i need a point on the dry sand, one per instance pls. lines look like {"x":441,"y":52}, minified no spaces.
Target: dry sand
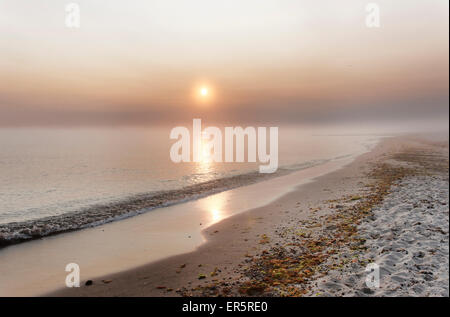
{"x":317,"y":239}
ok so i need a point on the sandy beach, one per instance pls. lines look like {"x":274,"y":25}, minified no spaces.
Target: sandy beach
{"x":224,"y":154}
{"x":389,"y":207}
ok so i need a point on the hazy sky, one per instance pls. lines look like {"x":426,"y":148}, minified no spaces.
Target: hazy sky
{"x":140,"y":61}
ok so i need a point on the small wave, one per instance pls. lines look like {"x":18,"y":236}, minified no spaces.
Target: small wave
{"x":16,"y":232}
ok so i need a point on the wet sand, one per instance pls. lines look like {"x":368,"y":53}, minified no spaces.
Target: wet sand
{"x":239,"y":255}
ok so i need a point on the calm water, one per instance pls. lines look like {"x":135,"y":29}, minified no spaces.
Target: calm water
{"x":53,"y":172}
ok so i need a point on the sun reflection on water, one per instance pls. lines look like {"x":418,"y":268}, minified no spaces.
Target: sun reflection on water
{"x":215,"y":206}
{"x":216,"y":215}
{"x":206,"y":165}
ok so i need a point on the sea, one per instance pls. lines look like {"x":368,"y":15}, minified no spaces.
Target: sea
{"x":55,"y":180}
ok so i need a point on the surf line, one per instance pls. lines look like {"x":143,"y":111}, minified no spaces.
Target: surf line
{"x":207,"y":145}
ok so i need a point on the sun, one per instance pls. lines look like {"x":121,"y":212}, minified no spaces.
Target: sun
{"x":203,"y":93}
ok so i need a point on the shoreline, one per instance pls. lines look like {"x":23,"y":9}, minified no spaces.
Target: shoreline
{"x":163,"y":232}
{"x":17,"y":232}
{"x":220,"y":259}
{"x":234,"y":242}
